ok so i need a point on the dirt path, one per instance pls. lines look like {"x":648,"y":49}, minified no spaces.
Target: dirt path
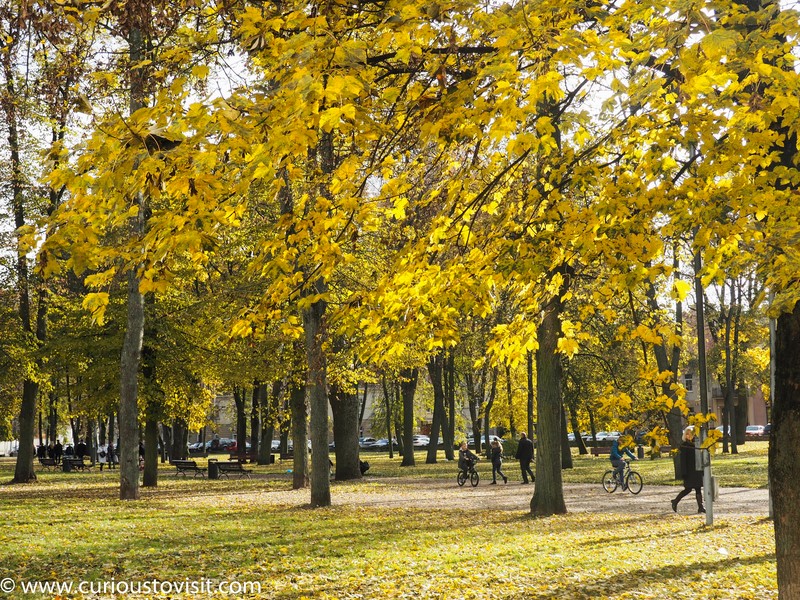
{"x":580,"y":497}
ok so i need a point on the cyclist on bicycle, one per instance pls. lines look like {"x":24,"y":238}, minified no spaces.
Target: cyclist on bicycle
{"x":618,"y":460}
{"x":466,"y":458}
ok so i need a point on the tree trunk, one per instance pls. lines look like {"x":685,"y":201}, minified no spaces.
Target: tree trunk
{"x":129,"y":393}
{"x":297,"y":401}
{"x":512,"y":426}
{"x":180,"y":434}
{"x":408,"y":387}
{"x":784,"y":468}
{"x":450,"y":403}
{"x":138,"y":17}
{"x":487,"y":412}
{"x":268,"y":416}
{"x":435,"y":372}
{"x":388,"y":402}
{"x":529,"y":365}
{"x":566,"y":452}
{"x":313,"y":323}
{"x":255,"y":426}
{"x":344,"y":408}
{"x":548,"y":496}
{"x":240,"y":399}
{"x":150,"y":475}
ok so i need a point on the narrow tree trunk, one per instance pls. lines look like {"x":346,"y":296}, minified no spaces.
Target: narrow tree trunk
{"x":129,"y":393}
{"x":529,"y":365}
{"x":388,"y":402}
{"x":548,"y":496}
{"x":512,"y":427}
{"x":255,"y":426}
{"x":408,"y":387}
{"x":299,"y":408}
{"x":313,"y":322}
{"x":150,"y":475}
{"x":240,"y":399}
{"x":784,"y":468}
{"x":450,"y":402}
{"x":566,"y":452}
{"x":435,"y":372}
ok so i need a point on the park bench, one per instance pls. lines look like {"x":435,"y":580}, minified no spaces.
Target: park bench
{"x":48,"y":463}
{"x":597,"y":451}
{"x":187,"y":466}
{"x":249,"y":456}
{"x":75,"y":464}
{"x":228,"y":468}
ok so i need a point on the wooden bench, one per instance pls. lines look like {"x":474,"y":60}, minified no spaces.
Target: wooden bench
{"x":48,"y":463}
{"x":76,"y":464}
{"x":597,"y":451}
{"x":228,"y":468}
{"x":183,"y":467}
{"x":247,"y":457}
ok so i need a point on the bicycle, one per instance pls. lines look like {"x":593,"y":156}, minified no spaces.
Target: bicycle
{"x":631,"y":480}
{"x":470,"y":473}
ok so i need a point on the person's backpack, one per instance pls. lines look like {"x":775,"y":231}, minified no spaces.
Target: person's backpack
{"x":363,"y":466}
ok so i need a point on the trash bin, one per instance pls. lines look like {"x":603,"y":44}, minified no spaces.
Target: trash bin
{"x":66,"y":465}
{"x":213,"y":469}
{"x":640,"y":451}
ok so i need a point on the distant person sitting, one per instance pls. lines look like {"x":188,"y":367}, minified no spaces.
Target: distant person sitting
{"x":80,"y":449}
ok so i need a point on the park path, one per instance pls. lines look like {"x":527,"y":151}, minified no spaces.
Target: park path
{"x":579,"y":497}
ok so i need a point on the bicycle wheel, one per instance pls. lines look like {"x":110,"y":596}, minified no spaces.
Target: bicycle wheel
{"x":609,"y":481}
{"x":462,"y":478}
{"x":634,"y":482}
{"x":474,"y":478}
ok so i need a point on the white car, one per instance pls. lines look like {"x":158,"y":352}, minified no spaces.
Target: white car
{"x":754,"y":430}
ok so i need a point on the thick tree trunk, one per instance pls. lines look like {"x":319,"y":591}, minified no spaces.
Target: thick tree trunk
{"x":345,"y":434}
{"x":784,"y":468}
{"x":548,"y":497}
{"x":313,"y":323}
{"x":180,"y":435}
{"x":408,"y":387}
{"x":23,"y":471}
{"x":299,"y":408}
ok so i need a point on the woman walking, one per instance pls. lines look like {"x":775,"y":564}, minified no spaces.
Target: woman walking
{"x":692,"y":476}
{"x":497,"y":462}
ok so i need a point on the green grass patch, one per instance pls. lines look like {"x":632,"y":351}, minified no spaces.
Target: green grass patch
{"x":72,"y":527}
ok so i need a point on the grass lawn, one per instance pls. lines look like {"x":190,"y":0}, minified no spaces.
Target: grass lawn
{"x":71,"y":527}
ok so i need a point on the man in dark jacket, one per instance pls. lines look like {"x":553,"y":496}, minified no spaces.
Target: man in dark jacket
{"x":525,"y":456}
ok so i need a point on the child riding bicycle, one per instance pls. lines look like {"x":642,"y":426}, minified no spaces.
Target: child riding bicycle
{"x":466,"y":458}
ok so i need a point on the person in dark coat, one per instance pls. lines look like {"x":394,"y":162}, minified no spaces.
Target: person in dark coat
{"x":496,"y":454}
{"x":58,"y":450}
{"x":692,"y":476}
{"x":525,"y":456}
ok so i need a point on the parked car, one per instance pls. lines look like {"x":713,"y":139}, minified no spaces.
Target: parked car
{"x":383,"y":444}
{"x":421,"y":441}
{"x":767,"y":428}
{"x":366,"y":442}
{"x":754,"y":430}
